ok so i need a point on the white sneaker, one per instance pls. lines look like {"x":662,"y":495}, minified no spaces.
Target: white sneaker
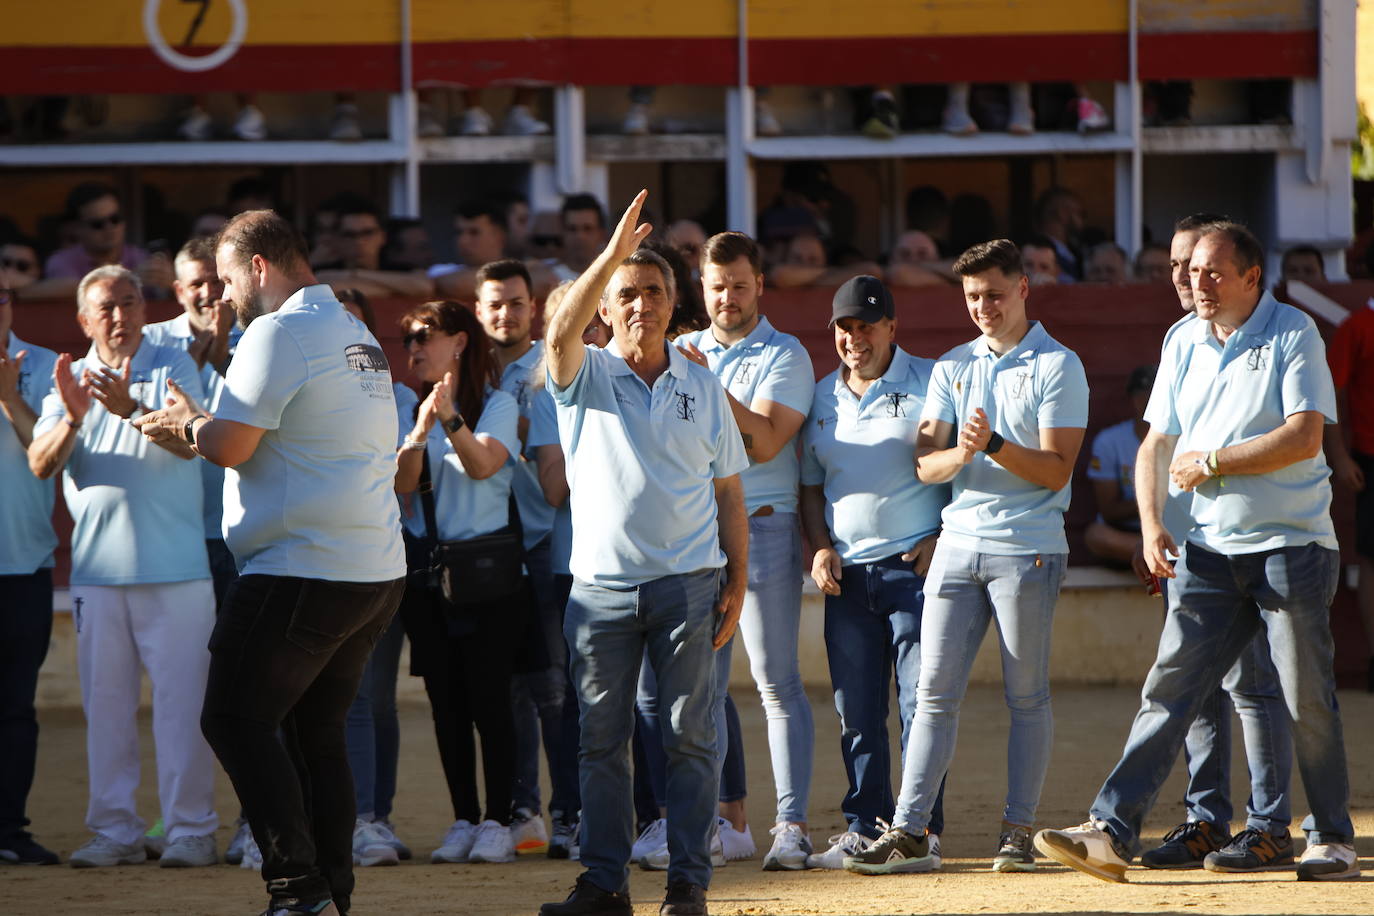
{"x":370,"y":846}
{"x":196,"y":126}
{"x":654,"y":836}
{"x":636,"y":120}
{"x":190,"y":852}
{"x":242,"y":834}
{"x":790,"y":850}
{"x":457,"y":843}
{"x":659,"y":858}
{"x":345,"y":125}
{"x":252,"y":855}
{"x":933,"y":845}
{"x":528,"y":831}
{"x":387,"y":831}
{"x":737,"y":844}
{"x":250,"y":124}
{"x":1091,"y":116}
{"x":717,"y":849}
{"x":476,"y":122}
{"x":1328,"y":862}
{"x":101,"y":852}
{"x":842,"y":845}
{"x":766,"y":124}
{"x":1087,"y":848}
{"x":494,"y":843}
{"x":958,"y":121}
{"x":521,"y":122}
{"x":427,"y":122}
{"x":1021,"y":121}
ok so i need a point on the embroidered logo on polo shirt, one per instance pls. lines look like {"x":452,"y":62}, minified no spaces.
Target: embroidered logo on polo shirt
{"x":894,"y":403}
{"x":1020,"y":388}
{"x":685,"y":409}
{"x":745,"y":373}
{"x":1257,"y":358}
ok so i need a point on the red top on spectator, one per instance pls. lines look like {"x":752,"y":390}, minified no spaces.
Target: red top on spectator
{"x":1351,"y":356}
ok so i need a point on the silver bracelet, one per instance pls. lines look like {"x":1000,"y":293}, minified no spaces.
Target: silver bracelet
{"x":412,"y":445}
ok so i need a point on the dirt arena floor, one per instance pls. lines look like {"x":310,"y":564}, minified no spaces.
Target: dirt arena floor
{"x":1091,"y":724}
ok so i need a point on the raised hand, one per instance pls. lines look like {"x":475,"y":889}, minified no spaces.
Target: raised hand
{"x":9,"y":374}
{"x":629,"y":233}
{"x":75,"y":393}
{"x":441,"y":396}
{"x":693,"y":354}
{"x":112,"y":389}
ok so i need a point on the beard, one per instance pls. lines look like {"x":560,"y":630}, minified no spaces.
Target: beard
{"x":251,"y":307}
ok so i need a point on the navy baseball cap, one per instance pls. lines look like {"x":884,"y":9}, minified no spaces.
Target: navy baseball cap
{"x":863,"y":297}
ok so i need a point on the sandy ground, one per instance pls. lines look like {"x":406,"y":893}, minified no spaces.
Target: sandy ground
{"x":1091,"y":726}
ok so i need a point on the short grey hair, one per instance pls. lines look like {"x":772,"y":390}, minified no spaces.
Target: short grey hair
{"x":647,"y":257}
{"x":100,"y":274}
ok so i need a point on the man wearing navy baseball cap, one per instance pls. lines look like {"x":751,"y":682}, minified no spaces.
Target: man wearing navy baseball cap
{"x":873,"y":524}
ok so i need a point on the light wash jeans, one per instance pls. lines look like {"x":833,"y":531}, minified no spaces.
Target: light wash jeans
{"x":1217,"y":604}
{"x":1252,"y":688}
{"x":537,"y":696}
{"x":372,"y":729}
{"x":965,"y":591}
{"x":608,"y":632}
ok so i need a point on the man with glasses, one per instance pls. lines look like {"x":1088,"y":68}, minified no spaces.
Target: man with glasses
{"x":95,"y":210}
{"x":26,"y":558}
{"x":19,"y":264}
{"x":361,"y":239}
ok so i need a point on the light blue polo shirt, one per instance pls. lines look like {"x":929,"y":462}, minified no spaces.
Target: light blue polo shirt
{"x":26,"y":536}
{"x":176,"y":332}
{"x":536,"y":515}
{"x":1038,"y":384}
{"x":861,"y":451}
{"x":642,"y":465}
{"x":1212,"y":395}
{"x":317,"y":498}
{"x":772,"y":366}
{"x":544,"y":431}
{"x":136,"y":507}
{"x":465,"y":508}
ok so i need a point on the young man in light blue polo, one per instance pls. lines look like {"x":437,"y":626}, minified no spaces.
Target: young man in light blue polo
{"x":1236,"y":419}
{"x":1003,"y":421}
{"x":873,"y":525}
{"x":660,"y":562}
{"x":141,"y":591}
{"x":26,"y":558}
{"x":768,"y":378}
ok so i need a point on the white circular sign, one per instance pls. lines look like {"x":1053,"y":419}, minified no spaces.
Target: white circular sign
{"x":186,"y":62}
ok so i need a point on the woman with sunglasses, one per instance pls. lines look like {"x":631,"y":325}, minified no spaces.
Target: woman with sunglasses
{"x":465,"y":429}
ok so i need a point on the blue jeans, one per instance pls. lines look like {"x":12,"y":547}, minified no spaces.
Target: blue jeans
{"x":564,"y":795}
{"x":1252,"y":687}
{"x":769,"y":625}
{"x":651,"y":763}
{"x":373,"y":731}
{"x":25,"y":631}
{"x":965,"y":591}
{"x":873,"y":631}
{"x":1217,"y":605}
{"x":537,"y":696}
{"x":608,"y":632}
{"x":223,"y":569}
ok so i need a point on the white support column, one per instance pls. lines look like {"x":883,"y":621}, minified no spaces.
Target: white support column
{"x":405,"y":175}
{"x":570,"y":139}
{"x":739,"y":168}
{"x":1129,"y":171}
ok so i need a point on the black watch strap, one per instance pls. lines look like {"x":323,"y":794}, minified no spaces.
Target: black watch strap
{"x":995,"y":442}
{"x":188,"y":432}
{"x":455,"y":423}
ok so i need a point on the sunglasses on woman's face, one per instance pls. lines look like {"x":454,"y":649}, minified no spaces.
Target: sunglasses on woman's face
{"x":23,"y":265}
{"x":418,"y":336}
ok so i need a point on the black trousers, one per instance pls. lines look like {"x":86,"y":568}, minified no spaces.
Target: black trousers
{"x":286,"y":658}
{"x":468,"y":679}
{"x":25,"y":630}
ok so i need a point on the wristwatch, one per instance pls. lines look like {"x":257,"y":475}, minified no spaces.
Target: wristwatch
{"x":188,"y":431}
{"x":454,"y":423}
{"x":995,"y":443}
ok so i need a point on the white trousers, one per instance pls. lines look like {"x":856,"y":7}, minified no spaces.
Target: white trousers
{"x":166,"y":628}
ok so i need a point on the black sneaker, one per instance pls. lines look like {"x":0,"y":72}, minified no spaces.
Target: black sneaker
{"x":1186,"y":846}
{"x":684,"y":899}
{"x":20,"y":849}
{"x":564,"y":837}
{"x":587,"y":899}
{"x":1014,"y":850}
{"x":883,"y":123}
{"x":1253,"y":850}
{"x":895,"y":852}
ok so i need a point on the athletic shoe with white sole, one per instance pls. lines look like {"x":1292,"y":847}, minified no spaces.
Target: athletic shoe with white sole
{"x":102,"y":852}
{"x":387,"y":831}
{"x":521,"y":122}
{"x":370,"y":847}
{"x":1088,"y":848}
{"x":250,"y":124}
{"x":1328,"y":862}
{"x":197,"y":125}
{"x":790,"y":850}
{"x":659,"y":859}
{"x":252,"y":855}
{"x":20,"y":848}
{"x":527,"y":829}
{"x":934,"y":839}
{"x":494,"y":843}
{"x":242,"y":834}
{"x":650,"y":839}
{"x":190,"y":852}
{"x":895,"y":852}
{"x":842,"y":846}
{"x":1253,"y":850}
{"x":476,"y":122}
{"x":456,"y":845}
{"x":1186,"y":846}
{"x":564,"y":839}
{"x":737,"y":844}
{"x":1014,"y":851}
